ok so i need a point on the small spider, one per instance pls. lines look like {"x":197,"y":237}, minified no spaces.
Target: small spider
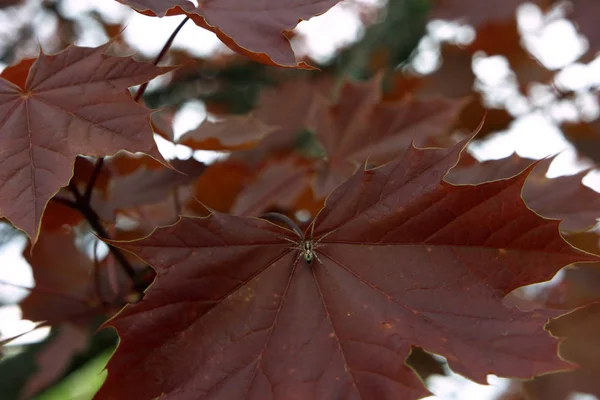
{"x":308,"y":251}
{"x":306,"y":248}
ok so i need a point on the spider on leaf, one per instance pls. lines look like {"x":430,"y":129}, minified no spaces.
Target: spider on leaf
{"x":306,"y":247}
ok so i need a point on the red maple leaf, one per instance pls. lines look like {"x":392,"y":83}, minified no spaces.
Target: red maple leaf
{"x":398,"y":258}
{"x":234,"y":133}
{"x":359,"y":127}
{"x":279,"y":184}
{"x":252,"y":28}
{"x":75,"y":102}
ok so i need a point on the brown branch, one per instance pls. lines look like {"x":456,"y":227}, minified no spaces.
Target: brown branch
{"x":66,"y":202}
{"x":44,"y":290}
{"x":94,"y":220}
{"x":160,"y":55}
{"x":87,"y":195}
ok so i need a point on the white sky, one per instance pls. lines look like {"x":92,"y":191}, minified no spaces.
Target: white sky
{"x":533,"y":134}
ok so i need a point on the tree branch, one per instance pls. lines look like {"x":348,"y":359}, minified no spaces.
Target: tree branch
{"x":87,"y":195}
{"x":160,"y":55}
{"x":94,"y":220}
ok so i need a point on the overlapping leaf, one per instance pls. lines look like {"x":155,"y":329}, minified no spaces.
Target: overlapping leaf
{"x":234,"y":133}
{"x":278,"y":184}
{"x":358,"y":127}
{"x":253,"y":28}
{"x":55,"y":357}
{"x":404,"y":259}
{"x":74,"y":102}
{"x":69,"y":286}
{"x":286,"y":106}
{"x":219,"y":187}
{"x":576,"y":290}
{"x":580,"y":329}
{"x":147,"y":186}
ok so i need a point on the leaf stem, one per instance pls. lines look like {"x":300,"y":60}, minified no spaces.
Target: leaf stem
{"x":44,"y":290}
{"x":160,"y":55}
{"x":94,"y":220}
{"x":66,"y":202}
{"x":286,"y":220}
{"x":87,"y":195}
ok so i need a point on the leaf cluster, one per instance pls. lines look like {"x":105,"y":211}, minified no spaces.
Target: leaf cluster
{"x":344,"y":238}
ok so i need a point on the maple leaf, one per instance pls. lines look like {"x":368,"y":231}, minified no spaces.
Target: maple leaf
{"x":55,"y":357}
{"x":286,"y":106}
{"x":68,"y":285}
{"x":279,"y":184}
{"x":155,"y":7}
{"x":146,"y":186}
{"x":233,"y":133}
{"x":254,"y":29}
{"x":577,"y":291}
{"x":162,"y":123}
{"x":404,"y":259}
{"x":219,"y":187}
{"x":580,"y":330}
{"x":74,"y":102}
{"x":358,"y":127}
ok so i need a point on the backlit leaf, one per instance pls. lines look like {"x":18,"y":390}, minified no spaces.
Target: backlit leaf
{"x":55,"y":357}
{"x":219,"y":186}
{"x":233,"y":133}
{"x":75,"y":102}
{"x":252,"y":28}
{"x":580,"y":329}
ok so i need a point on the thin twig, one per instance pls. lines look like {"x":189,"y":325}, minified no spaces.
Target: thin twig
{"x":82,"y":201}
{"x":38,"y":325}
{"x":160,"y":55}
{"x":66,"y":202}
{"x":100,"y":161}
{"x":94,"y":220}
{"x":87,"y":195}
{"x":44,"y":290}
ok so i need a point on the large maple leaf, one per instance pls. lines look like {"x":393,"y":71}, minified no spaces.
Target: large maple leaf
{"x":402,"y":259}
{"x":75,"y":102}
{"x":249,"y":27}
